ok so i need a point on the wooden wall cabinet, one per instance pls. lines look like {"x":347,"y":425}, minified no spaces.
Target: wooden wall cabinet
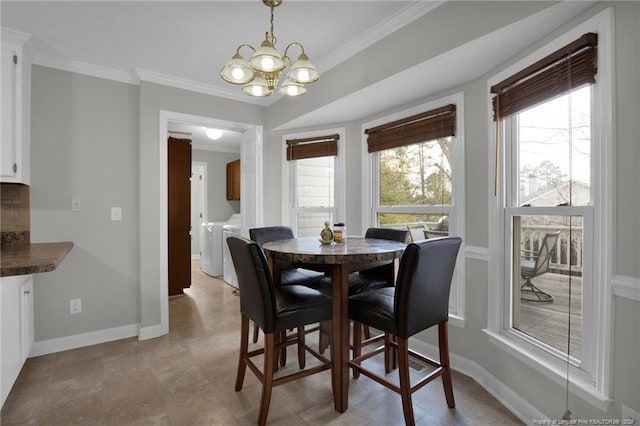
{"x":233,"y":180}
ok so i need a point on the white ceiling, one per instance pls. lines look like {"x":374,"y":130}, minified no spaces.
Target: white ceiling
{"x":186,"y":43}
{"x":192,"y":40}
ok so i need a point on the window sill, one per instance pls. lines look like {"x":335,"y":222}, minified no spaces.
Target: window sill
{"x":456,"y":321}
{"x":553,"y":371}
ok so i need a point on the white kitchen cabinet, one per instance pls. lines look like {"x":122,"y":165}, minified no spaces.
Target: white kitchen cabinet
{"x":16,"y":326}
{"x":16,"y":108}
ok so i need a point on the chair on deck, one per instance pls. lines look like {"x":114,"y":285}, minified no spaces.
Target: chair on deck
{"x":419,"y":301}
{"x":274,"y":310}
{"x":534,"y":264}
{"x":416,"y":232}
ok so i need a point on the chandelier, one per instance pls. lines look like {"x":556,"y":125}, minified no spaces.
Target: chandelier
{"x":260,"y":76}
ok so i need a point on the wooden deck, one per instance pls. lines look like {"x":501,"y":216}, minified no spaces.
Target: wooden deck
{"x":548,"y":322}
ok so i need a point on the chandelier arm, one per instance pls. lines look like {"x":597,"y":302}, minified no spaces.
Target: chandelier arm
{"x":244,"y":45}
{"x":295,"y":43}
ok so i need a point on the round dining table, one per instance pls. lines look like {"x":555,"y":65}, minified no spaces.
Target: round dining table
{"x":338,"y":259}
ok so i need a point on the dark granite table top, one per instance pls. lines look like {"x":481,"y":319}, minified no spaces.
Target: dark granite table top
{"x":32,"y":258}
{"x":353,"y":250}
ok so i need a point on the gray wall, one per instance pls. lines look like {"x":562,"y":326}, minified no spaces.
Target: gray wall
{"x":218,"y":207}
{"x":84,"y":145}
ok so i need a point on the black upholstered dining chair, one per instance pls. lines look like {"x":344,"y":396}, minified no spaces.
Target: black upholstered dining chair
{"x":298,"y":276}
{"x":288,"y":276}
{"x":274,"y":310}
{"x":419,"y":301}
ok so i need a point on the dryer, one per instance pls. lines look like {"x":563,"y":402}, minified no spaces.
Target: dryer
{"x":229,"y":270}
{"x":211,"y":235}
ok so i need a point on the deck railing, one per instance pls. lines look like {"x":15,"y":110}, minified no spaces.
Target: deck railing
{"x":563,"y":261}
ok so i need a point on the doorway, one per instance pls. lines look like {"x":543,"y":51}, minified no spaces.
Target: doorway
{"x":251,"y":202}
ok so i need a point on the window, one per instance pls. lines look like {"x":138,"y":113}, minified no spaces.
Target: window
{"x":550,"y":175}
{"x":549,"y":269}
{"x":311,"y":175}
{"x":416,"y":167}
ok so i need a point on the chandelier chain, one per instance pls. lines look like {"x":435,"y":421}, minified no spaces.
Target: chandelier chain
{"x":271,"y":34}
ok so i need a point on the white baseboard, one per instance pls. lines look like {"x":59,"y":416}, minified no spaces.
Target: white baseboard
{"x":60,"y":344}
{"x":151,"y":332}
{"x":503,"y":393}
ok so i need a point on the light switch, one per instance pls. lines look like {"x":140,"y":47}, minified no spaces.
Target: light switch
{"x":116,"y":213}
{"x":75,"y":204}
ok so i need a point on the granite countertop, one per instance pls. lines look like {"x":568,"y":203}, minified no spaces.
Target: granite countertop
{"x":25,"y":259}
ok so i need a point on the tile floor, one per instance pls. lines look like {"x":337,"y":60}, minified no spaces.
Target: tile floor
{"x":187,"y":377}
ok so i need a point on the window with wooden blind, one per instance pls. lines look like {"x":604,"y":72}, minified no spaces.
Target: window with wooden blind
{"x":416,"y":162}
{"x":312,"y":147}
{"x":550,"y":186}
{"x":313,"y":182}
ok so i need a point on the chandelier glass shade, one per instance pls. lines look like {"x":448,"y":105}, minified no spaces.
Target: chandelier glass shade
{"x":267,"y":70}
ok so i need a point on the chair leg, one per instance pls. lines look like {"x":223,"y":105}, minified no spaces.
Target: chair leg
{"x":267,"y":383}
{"x":405,"y":384}
{"x":244,"y":345}
{"x":283,"y":350}
{"x":357,"y":344}
{"x":324,"y":336}
{"x":443,"y":343}
{"x":367,"y":331}
{"x":388,"y":353}
{"x":301,"y":352}
{"x":256,"y":330}
{"x":394,"y":354}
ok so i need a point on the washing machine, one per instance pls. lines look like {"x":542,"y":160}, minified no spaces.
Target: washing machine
{"x":211,"y":236}
{"x":228,"y":268}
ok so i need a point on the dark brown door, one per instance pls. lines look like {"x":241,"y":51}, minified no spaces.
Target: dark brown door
{"x":179,"y":194}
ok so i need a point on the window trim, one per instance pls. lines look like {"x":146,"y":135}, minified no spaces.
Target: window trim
{"x":339,"y":175}
{"x":596,"y":389}
{"x":456,"y":213}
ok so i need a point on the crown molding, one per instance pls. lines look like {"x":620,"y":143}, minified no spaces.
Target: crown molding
{"x":51,"y":61}
{"x":194,"y":86}
{"x":389,"y":25}
{"x":15,"y":37}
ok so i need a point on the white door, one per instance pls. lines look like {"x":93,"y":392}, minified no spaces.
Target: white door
{"x":198,"y":205}
{"x":251,"y":179}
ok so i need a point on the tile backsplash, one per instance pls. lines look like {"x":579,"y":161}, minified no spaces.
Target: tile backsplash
{"x":14,"y":214}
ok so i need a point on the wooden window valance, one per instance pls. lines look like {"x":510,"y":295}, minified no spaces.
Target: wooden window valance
{"x":318,"y":146}
{"x":426,"y":126}
{"x":569,"y":68}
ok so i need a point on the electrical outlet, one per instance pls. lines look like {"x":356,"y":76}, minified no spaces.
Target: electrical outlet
{"x":75,"y":306}
{"x":116,"y":213}
{"x":76,"y":204}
